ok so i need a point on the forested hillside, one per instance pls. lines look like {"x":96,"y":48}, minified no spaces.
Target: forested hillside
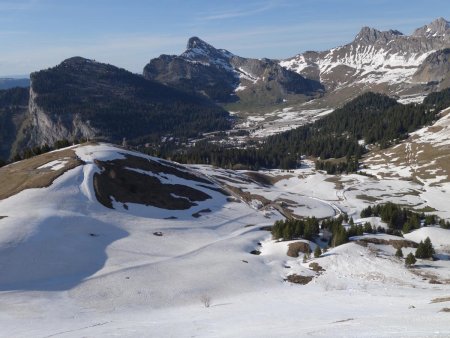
{"x":120,"y":104}
{"x":13,"y":109}
{"x":368,"y":119}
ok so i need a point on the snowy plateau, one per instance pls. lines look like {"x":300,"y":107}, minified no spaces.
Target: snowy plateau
{"x":74,"y":266}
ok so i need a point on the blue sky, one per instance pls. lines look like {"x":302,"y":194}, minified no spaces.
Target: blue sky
{"x":37,"y":34}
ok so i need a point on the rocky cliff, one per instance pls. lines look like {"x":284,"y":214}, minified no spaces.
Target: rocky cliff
{"x":225,"y":77}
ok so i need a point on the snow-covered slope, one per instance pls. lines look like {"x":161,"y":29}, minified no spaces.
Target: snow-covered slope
{"x":81,"y":258}
{"x":423,"y":157}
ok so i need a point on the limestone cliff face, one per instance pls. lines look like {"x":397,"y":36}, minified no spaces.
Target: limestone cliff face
{"x":45,"y":127}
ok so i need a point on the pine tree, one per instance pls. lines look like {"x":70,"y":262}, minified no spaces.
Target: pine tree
{"x":429,"y":250}
{"x":399,"y":253}
{"x":425,"y":249}
{"x":420,"y":252}
{"x":317,"y":252}
{"x":410,"y":260}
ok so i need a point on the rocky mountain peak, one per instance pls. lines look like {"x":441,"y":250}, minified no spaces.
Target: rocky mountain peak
{"x":196,"y":42}
{"x":368,"y":35}
{"x":199,"y":50}
{"x":438,"y":27}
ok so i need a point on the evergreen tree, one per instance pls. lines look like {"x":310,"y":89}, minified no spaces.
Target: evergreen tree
{"x":399,"y":253}
{"x":425,"y":249}
{"x":410,"y":260}
{"x":429,"y":250}
{"x":340,"y":236}
{"x":421,"y":251}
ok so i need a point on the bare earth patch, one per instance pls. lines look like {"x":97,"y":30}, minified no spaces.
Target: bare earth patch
{"x":316,"y":267}
{"x":298,"y":279}
{"x":119,"y":181}
{"x":266,"y":179}
{"x":396,"y":243}
{"x":295,"y":248}
{"x":25,"y":174}
{"x":440,"y":300}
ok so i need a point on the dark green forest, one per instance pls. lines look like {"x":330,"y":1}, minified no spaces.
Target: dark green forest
{"x":372,"y":118}
{"x":13,"y":111}
{"x":122,"y":104}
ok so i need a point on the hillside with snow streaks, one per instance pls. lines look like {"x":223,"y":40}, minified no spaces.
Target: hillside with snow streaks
{"x":376,"y":58}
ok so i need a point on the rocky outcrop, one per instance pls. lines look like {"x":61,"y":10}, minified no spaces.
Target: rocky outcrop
{"x":225,"y":77}
{"x":47,"y":128}
{"x":436,"y":67}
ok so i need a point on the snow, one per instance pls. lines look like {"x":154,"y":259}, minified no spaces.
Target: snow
{"x":72,"y":267}
{"x":54,"y":165}
{"x":438,"y":236}
{"x":370,"y":64}
{"x":282,"y":120}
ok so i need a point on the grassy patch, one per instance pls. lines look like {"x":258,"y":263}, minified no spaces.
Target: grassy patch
{"x":266,"y":179}
{"x":338,"y":184}
{"x":23,"y":175}
{"x":426,"y":209}
{"x":367,"y":198}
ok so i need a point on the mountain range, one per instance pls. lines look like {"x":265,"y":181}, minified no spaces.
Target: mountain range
{"x":187,"y":95}
{"x":339,"y":227}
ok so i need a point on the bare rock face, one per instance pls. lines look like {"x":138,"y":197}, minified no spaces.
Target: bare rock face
{"x":436,"y":67}
{"x":225,"y":77}
{"x":437,"y":28}
{"x":386,"y":61}
{"x":45,"y":128}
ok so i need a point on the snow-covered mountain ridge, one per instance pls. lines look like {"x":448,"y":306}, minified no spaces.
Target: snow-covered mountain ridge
{"x":376,"y":58}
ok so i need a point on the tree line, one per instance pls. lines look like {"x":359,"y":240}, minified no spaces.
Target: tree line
{"x":400,"y":218}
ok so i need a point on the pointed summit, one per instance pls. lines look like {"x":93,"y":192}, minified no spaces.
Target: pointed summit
{"x":438,"y":27}
{"x":196,"y":42}
{"x":201,"y":51}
